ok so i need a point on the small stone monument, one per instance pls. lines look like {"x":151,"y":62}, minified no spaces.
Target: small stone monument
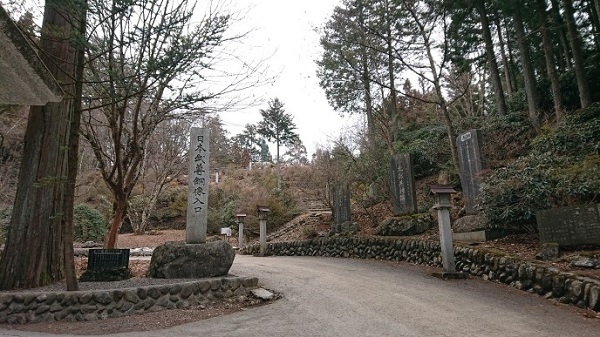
{"x":342,"y":213}
{"x":570,"y":226}
{"x":402,"y":183}
{"x":471,"y":164}
{"x":195,"y":258}
{"x":107,"y":265}
{"x":341,"y":204}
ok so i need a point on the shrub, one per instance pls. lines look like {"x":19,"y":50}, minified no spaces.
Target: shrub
{"x":563,"y":169}
{"x":512,"y":194}
{"x":88,"y":224}
{"x":429,"y":146}
{"x":309,"y":233}
{"x":502,"y":137}
{"x":577,"y":136}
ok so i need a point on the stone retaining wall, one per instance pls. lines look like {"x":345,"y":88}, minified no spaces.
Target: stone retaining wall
{"x":545,"y":281}
{"x":30,"y":307}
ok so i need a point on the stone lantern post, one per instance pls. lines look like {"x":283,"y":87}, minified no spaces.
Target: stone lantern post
{"x":240,"y":217}
{"x":443,"y":205}
{"x":263,"y":211}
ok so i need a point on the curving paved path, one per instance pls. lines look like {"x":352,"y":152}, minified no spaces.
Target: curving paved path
{"x":347,"y":297}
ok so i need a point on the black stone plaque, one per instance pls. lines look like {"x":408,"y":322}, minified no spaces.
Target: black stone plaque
{"x":570,"y":226}
{"x":402,"y":181}
{"x":108,"y":259}
{"x":471,"y":164}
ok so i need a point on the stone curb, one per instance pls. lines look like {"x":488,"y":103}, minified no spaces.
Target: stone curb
{"x":549,"y":282}
{"x":144,"y":251}
{"x":34,"y":307}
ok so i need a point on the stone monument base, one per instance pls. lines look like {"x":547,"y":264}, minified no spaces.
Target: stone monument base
{"x":479,"y":236}
{"x":404,"y":225}
{"x":106,"y":274}
{"x":345,"y":228}
{"x":181,"y":260}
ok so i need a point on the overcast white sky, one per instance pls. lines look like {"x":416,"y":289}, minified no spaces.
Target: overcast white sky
{"x":286,"y":29}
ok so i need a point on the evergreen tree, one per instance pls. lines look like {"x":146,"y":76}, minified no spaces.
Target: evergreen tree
{"x":277,"y":126}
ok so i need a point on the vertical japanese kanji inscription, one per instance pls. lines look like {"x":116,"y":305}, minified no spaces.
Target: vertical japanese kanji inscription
{"x":198,"y":187}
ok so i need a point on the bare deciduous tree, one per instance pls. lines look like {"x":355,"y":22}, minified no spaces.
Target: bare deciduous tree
{"x":148,"y":63}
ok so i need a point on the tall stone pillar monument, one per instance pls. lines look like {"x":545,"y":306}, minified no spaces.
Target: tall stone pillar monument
{"x":471,"y":164}
{"x":194,"y":258}
{"x":402,"y":181}
{"x":198,"y":175}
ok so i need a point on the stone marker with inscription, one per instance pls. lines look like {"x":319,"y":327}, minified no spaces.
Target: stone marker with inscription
{"x":197,"y":210}
{"x":342,"y":213}
{"x":570,"y":226}
{"x":402,"y":182}
{"x":195,"y":258}
{"x":341,"y":204}
{"x":471,"y":163}
{"x":107,"y":265}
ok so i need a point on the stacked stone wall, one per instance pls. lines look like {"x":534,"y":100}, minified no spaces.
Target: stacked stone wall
{"x":545,"y":281}
{"x":32,"y":307}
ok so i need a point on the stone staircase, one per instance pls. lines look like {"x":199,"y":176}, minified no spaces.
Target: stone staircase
{"x":315,"y":209}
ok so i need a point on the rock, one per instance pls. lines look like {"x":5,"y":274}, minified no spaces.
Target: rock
{"x":549,"y":252}
{"x":345,"y":228}
{"x":470,"y":223}
{"x":91,"y":244}
{"x":81,"y":251}
{"x":262,"y":294}
{"x":404,"y":225}
{"x":585,"y":262}
{"x":143,"y":251}
{"x":594,"y":298}
{"x":180,"y":260}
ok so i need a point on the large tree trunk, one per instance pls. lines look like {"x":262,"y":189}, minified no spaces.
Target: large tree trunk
{"x":73,"y":157}
{"x":505,"y":63}
{"x":393,"y":93}
{"x":550,"y":62}
{"x":366,"y":84}
{"x":574,"y":39}
{"x":528,"y":74}
{"x":119,"y":212}
{"x":491,"y":58}
{"x":558,"y":27}
{"x":590,"y":6}
{"x":37,"y":219}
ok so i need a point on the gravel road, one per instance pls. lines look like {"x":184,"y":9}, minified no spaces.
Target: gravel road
{"x":347,"y":297}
